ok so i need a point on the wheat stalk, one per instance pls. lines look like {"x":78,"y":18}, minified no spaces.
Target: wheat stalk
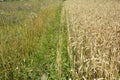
{"x":93,"y":40}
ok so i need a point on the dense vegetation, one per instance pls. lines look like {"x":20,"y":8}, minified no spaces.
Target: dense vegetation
{"x":93,"y":39}
{"x":29,"y":37}
{"x":57,"y":40}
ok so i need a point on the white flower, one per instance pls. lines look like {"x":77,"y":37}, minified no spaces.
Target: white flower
{"x":70,"y":79}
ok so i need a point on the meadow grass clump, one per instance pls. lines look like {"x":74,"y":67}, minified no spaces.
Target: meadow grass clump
{"x":93,"y":39}
{"x":28,"y":39}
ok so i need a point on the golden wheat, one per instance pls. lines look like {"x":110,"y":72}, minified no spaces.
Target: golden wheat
{"x":93,"y":39}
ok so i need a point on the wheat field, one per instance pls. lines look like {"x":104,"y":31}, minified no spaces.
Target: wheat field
{"x":93,"y":36}
{"x":60,"y":40}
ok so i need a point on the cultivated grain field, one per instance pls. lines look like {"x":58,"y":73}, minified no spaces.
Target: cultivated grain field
{"x":60,"y":40}
{"x":93,"y":35}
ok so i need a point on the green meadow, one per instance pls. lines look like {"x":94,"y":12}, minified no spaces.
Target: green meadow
{"x":29,"y":40}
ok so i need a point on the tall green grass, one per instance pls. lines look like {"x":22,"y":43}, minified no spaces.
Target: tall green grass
{"x":29,"y":37}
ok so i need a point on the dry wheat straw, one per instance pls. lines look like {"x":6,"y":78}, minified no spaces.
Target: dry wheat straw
{"x":93,"y":38}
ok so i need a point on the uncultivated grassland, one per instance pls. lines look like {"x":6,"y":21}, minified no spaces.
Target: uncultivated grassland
{"x":93,"y":39}
{"x":29,"y":36}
